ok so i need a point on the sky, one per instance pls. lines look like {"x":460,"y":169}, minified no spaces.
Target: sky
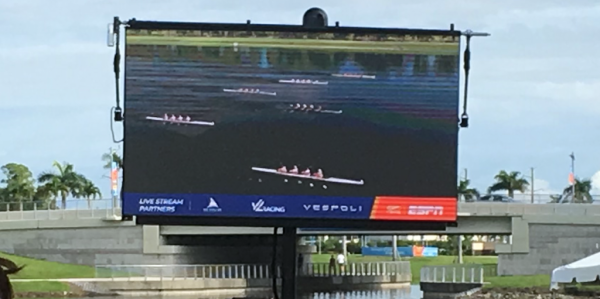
{"x":534,"y":93}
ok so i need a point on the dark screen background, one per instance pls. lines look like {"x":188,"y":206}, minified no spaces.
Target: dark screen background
{"x":398,"y":132}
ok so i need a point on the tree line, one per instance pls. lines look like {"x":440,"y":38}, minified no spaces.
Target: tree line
{"x":19,"y":185}
{"x":515,"y":181}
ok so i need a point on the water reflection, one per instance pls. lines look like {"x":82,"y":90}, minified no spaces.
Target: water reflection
{"x":405,"y":293}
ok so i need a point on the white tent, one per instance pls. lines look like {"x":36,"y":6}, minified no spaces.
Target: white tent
{"x":583,"y":270}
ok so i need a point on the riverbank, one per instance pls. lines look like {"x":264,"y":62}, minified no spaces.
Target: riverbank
{"x":533,"y":293}
{"x":40,"y":269}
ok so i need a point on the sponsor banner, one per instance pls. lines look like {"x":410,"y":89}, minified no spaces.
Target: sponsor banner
{"x":402,"y":251}
{"x":430,"y":251}
{"x":114,"y":177}
{"x":247,"y":206}
{"x":414,"y":208}
{"x":224,"y":205}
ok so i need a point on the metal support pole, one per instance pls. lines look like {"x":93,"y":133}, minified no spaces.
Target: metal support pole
{"x":573,"y":175}
{"x":289,"y":263}
{"x":532,"y":185}
{"x":394,"y":247}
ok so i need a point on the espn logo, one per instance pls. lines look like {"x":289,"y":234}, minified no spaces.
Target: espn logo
{"x":425,"y":210}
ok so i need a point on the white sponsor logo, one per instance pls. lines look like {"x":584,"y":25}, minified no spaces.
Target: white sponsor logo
{"x":394,"y":210}
{"x":212,"y":206}
{"x":260,"y":207}
{"x":426,"y":210}
{"x":333,"y":208}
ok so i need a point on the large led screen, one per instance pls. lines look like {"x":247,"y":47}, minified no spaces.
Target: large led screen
{"x":291,"y":125}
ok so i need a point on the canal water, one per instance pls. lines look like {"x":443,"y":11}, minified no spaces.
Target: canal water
{"x":413,"y":292}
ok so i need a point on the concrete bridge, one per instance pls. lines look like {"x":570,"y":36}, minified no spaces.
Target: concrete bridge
{"x":543,"y":236}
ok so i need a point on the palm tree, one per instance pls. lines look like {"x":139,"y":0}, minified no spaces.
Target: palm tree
{"x":582,"y":194}
{"x":63,"y":183}
{"x":89,"y":191}
{"x":466,"y":193}
{"x":108,"y":158}
{"x":45,"y":196}
{"x":510,"y":182}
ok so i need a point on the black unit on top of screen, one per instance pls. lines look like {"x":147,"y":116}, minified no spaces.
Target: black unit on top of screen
{"x":314,"y":20}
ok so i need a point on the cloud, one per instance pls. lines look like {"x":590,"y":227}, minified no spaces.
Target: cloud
{"x":534,"y":82}
{"x":596,"y":183}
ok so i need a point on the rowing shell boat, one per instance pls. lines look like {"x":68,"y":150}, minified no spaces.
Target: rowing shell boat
{"x":300,"y":176}
{"x":183,"y":122}
{"x":315,"y":111}
{"x":304,"y":81}
{"x":255,"y":91}
{"x":359,"y":76}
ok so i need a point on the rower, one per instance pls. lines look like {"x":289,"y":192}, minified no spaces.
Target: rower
{"x":318,"y":108}
{"x":298,"y":106}
{"x":311,"y":107}
{"x":173,"y":117}
{"x":166,"y":117}
{"x":304,"y":107}
{"x":318,"y":174}
{"x":180,"y":118}
{"x":282,"y":169}
{"x":294,"y":169}
{"x":188,"y":118}
{"x":306,"y":172}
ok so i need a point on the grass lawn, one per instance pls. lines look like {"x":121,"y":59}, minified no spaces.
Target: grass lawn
{"x":38,"y":269}
{"x":40,"y":287}
{"x":525,"y":281}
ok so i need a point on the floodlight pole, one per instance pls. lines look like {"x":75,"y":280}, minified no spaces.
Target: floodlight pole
{"x":464,"y":118}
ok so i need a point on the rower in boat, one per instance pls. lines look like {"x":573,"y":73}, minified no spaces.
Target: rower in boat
{"x":318,"y":174}
{"x":166,"y":117}
{"x":173,"y":117}
{"x":305,"y":172}
{"x":180,"y":118}
{"x":188,"y":118}
{"x":318,"y":109}
{"x":304,"y":107}
{"x":311,"y":107}
{"x":282,"y":169}
{"x":293,"y":170}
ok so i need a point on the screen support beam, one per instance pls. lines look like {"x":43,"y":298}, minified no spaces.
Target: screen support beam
{"x":289,"y":262}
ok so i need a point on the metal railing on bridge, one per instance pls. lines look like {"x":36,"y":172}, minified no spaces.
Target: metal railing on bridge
{"x":96,"y":209}
{"x":245,"y":271}
{"x":76,"y":209}
{"x":465,"y":273}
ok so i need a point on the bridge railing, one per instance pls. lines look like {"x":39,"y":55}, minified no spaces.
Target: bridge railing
{"x":96,"y":209}
{"x":244,"y":271}
{"x":76,"y":209}
{"x":465,"y":273}
{"x":506,"y":209}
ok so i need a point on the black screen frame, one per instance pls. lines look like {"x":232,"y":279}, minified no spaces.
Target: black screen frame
{"x":366,"y":224}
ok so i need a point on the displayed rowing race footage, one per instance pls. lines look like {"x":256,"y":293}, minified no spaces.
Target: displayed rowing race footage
{"x":291,"y":125}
